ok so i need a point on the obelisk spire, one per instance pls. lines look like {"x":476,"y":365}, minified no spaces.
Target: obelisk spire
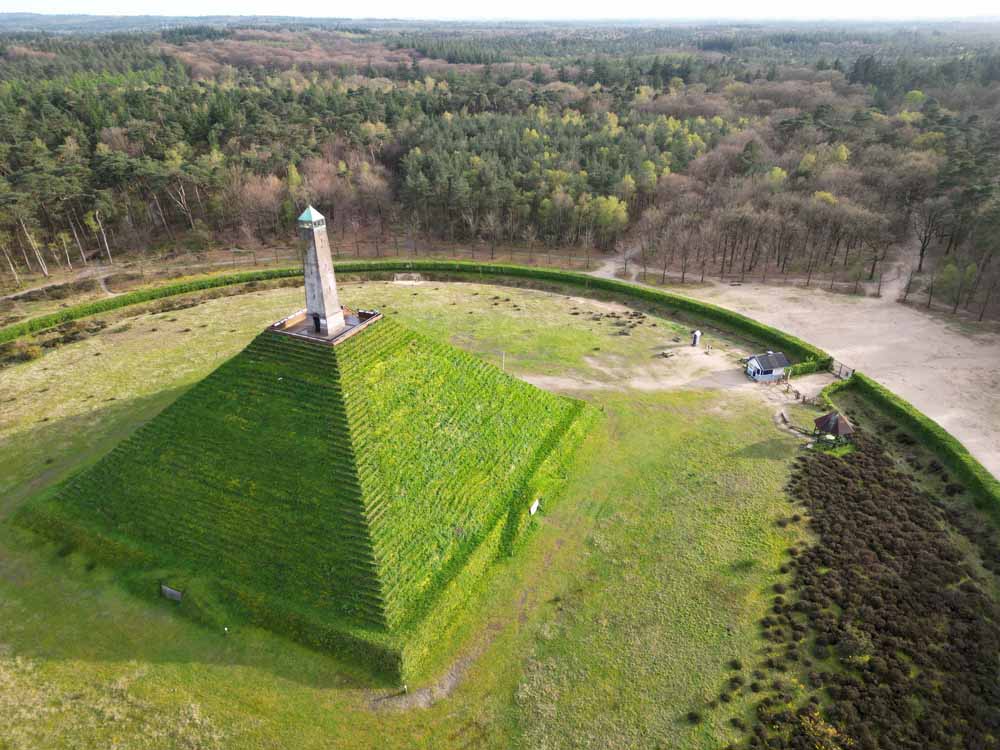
{"x":322,"y":303}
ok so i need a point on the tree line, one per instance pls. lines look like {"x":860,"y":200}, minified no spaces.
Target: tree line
{"x":696,"y":163}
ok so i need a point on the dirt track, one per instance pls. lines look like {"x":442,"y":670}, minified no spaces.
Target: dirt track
{"x":948,"y":369}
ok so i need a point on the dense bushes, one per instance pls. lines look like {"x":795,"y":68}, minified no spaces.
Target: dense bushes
{"x":938,"y":440}
{"x":808,"y":367}
{"x":904,"y":635}
{"x":19,"y":351}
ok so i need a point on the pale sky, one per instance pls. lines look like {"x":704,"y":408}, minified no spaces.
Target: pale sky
{"x":530,"y":9}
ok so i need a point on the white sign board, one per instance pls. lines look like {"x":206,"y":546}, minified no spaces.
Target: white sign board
{"x":170,"y":593}
{"x":534,"y":508}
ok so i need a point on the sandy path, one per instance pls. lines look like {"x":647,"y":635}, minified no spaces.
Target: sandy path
{"x":948,"y":369}
{"x":609,"y":269}
{"x":688,"y":367}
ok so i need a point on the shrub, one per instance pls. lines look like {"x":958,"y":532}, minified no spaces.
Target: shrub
{"x":22,"y":351}
{"x":872,"y":522}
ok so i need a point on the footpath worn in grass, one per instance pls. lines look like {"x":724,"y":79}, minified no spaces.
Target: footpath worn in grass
{"x":330,"y":493}
{"x":616,"y":617}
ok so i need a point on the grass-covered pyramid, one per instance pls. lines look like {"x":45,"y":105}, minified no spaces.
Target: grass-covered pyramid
{"x":350,"y":496}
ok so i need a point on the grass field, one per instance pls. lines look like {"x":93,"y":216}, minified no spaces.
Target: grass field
{"x":619,"y":616}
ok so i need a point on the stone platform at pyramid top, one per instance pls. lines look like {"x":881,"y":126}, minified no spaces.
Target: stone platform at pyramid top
{"x":300,"y":325}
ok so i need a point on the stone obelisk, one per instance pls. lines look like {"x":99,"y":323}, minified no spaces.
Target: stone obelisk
{"x":323,"y":309}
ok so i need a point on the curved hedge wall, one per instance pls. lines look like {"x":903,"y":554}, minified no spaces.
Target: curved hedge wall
{"x":796,"y":349}
{"x":808,"y":358}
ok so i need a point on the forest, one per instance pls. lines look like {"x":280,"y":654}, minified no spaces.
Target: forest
{"x":805,"y":152}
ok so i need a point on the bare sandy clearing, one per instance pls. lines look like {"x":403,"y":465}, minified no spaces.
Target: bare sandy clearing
{"x":948,"y":369}
{"x":687,"y":367}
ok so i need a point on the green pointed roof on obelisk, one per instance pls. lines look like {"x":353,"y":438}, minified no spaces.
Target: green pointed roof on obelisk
{"x":310,"y":215}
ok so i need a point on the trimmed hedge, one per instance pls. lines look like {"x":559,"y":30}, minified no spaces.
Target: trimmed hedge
{"x":795,"y":348}
{"x":506,"y":533}
{"x":808,"y":367}
{"x":148,"y":294}
{"x":945,"y":446}
{"x":809,"y":358}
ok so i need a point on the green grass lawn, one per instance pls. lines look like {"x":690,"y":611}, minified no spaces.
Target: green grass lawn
{"x":617,"y":618}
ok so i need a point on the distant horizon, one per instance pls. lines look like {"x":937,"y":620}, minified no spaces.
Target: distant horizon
{"x":973,"y":16}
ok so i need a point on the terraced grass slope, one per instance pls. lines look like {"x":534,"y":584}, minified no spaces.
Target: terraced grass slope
{"x":333,"y":493}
